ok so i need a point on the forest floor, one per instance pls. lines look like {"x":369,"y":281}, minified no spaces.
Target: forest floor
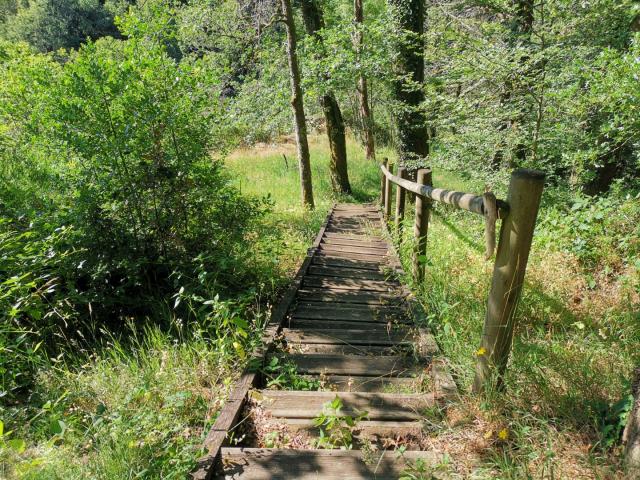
{"x":142,"y":410}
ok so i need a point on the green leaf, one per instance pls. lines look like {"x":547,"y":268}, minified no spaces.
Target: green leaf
{"x":17,"y":444}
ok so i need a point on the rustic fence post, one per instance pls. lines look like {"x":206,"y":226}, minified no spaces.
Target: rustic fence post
{"x":516,"y":234}
{"x":400,"y":199}
{"x":421,"y":226}
{"x":388,"y":194}
{"x":385,"y":162}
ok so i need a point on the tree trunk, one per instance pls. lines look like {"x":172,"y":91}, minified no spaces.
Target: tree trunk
{"x":313,"y":22}
{"x":297,"y":104}
{"x":363,"y":92}
{"x":631,"y":436}
{"x":413,"y":145}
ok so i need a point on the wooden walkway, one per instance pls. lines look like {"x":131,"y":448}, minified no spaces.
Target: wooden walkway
{"x":348,"y":323}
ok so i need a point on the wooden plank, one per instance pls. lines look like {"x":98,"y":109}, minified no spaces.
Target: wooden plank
{"x":355,"y":365}
{"x":283,"y":464}
{"x":350,"y":242}
{"x":347,"y":296}
{"x":360,"y":264}
{"x":369,"y":257}
{"x":346,"y":312}
{"x":331,"y":324}
{"x":350,"y":284}
{"x":366,"y":238}
{"x":340,"y":272}
{"x":345,"y":349}
{"x":379,"y":406}
{"x":359,"y":383}
{"x":355,"y":240}
{"x":379,"y":336}
{"x":358,"y":250}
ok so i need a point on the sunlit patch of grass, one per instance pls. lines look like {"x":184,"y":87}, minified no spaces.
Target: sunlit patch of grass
{"x":272,"y":170}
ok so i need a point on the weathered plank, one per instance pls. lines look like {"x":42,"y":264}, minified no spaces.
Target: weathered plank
{"x":359,"y":383}
{"x":358,"y":242}
{"x":346,"y":262}
{"x":277,"y":464}
{"x":378,"y":406}
{"x":341,"y":272}
{"x":347,"y":296}
{"x":379,"y":336}
{"x":350,"y":284}
{"x":356,"y":365}
{"x":358,"y":250}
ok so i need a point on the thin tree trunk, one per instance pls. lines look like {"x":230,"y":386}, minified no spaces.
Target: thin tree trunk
{"x":366,"y":115}
{"x":297,"y":104}
{"x":313,"y":22}
{"x":413,"y":145}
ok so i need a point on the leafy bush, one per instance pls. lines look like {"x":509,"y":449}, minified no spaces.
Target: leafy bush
{"x":49,"y":25}
{"x":112,"y":207}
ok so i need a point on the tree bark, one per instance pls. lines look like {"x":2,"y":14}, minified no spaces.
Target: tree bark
{"x":314,"y":22}
{"x":297,"y":104}
{"x":363,"y":91}
{"x":631,"y":436}
{"x":413,"y":144}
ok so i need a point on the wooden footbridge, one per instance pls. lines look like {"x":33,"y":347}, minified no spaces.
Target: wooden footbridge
{"x":355,"y":333}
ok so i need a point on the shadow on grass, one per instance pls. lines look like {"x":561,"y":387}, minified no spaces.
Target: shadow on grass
{"x":557,"y":363}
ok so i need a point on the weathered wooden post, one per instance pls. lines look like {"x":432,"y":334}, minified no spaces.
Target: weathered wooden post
{"x":421,"y":226}
{"x":387,"y":194}
{"x":516,"y":234}
{"x":385,"y":162}
{"x":400,"y":199}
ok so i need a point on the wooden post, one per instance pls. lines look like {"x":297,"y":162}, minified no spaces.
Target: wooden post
{"x":400,"y":199}
{"x":385,"y":162}
{"x":421,"y":226}
{"x":516,"y":234}
{"x":387,"y":195}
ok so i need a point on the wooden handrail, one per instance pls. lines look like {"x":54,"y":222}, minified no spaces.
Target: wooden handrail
{"x":464,"y":201}
{"x":518,"y":216}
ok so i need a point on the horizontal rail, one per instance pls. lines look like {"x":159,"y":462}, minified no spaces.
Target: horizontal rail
{"x":464,"y":201}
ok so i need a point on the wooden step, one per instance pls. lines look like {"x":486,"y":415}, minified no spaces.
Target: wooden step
{"x":359,"y":250}
{"x":353,"y":236}
{"x":335,"y":295}
{"x":345,"y":262}
{"x":285,"y":464}
{"x":378,"y":406}
{"x":350,"y":284}
{"x":344,"y":349}
{"x":351,"y":313}
{"x":379,"y":336}
{"x":354,"y":242}
{"x":392,"y":365}
{"x":326,"y":244}
{"x":358,"y":383}
{"x":379,"y":260}
{"x":340,"y":272}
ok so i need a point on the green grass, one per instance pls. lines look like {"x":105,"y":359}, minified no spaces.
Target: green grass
{"x":574,"y":350}
{"x":140,"y":407}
